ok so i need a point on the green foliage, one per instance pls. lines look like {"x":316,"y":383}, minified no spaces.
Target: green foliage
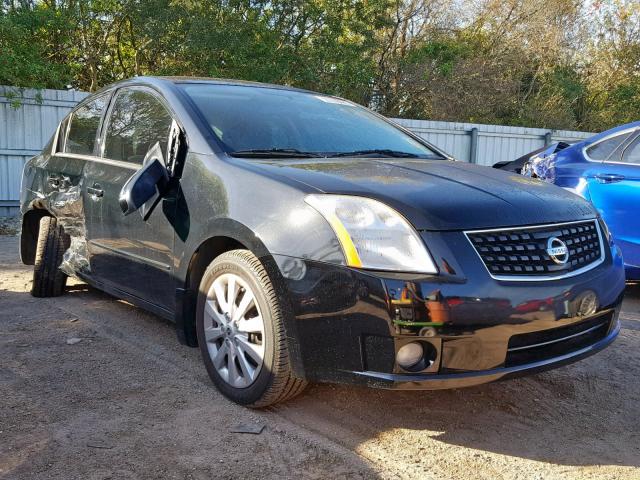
{"x":25,"y":54}
{"x":444,"y":53}
{"x":551,"y":63}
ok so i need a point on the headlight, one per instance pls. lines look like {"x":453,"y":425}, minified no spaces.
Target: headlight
{"x":373,"y":235}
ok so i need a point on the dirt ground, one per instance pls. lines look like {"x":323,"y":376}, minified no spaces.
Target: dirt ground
{"x":127,"y":401}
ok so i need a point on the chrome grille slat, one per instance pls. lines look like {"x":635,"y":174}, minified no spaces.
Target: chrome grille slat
{"x":539,"y":345}
{"x":520,"y":253}
{"x":561,"y":339}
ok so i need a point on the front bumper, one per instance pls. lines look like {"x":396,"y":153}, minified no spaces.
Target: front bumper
{"x":348,"y":324}
{"x":469,"y":379}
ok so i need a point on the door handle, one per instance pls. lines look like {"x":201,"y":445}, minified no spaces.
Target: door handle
{"x":609,"y":177}
{"x":95,"y":191}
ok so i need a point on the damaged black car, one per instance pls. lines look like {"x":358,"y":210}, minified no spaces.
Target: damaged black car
{"x":297,"y":237}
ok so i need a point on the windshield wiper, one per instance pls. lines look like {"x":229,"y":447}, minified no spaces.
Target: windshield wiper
{"x":274,"y":153}
{"x":377,"y":151}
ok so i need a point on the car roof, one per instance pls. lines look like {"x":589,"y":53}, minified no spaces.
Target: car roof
{"x":606,"y":133}
{"x":176,"y":80}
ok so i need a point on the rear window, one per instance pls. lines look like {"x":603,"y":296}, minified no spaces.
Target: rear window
{"x":84,"y":127}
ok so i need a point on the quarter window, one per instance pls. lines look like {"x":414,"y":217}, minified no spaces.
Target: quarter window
{"x":632,"y":152}
{"x":84,"y":127}
{"x":603,"y":150}
{"x":138,"y":120}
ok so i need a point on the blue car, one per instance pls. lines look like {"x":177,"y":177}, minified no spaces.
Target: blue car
{"x":604,"y":169}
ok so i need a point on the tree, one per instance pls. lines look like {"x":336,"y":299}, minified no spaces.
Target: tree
{"x":612,"y":65}
{"x":544,"y":63}
{"x":29,"y":38}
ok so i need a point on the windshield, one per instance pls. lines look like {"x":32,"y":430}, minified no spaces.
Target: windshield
{"x":252,"y":120}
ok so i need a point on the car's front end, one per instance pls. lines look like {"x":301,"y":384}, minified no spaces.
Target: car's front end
{"x":484,"y":275}
{"x":480,"y":320}
{"x":397,"y":267}
{"x":603,"y":169}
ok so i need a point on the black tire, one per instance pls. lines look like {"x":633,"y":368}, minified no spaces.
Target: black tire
{"x":48,"y":279}
{"x":275,"y":382}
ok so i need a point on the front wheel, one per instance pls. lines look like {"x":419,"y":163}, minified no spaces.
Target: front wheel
{"x":241,"y":333}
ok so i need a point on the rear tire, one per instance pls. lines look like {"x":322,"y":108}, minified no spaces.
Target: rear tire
{"x":270,"y":379}
{"x":48,"y":279}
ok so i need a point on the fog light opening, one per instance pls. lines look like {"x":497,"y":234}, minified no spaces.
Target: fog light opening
{"x":416,"y":356}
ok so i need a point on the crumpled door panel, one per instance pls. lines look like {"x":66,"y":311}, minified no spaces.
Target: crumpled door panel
{"x":55,"y":183}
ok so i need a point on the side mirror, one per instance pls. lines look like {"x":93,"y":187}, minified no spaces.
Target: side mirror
{"x":144,"y":189}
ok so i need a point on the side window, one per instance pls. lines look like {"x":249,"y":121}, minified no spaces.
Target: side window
{"x":84,"y":127}
{"x":603,"y":150}
{"x":632,"y":152}
{"x":138,"y":120}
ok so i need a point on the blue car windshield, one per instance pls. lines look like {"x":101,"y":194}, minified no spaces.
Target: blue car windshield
{"x":261,"y":119}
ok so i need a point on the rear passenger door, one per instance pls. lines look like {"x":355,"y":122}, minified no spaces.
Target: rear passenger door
{"x":616,"y":194}
{"x":129,"y":253}
{"x":75,"y":145}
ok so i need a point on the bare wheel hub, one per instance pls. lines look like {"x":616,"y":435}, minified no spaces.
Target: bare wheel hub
{"x":234,"y":330}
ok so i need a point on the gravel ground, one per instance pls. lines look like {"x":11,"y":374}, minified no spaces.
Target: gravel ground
{"x":9,"y":225}
{"x":127,"y":401}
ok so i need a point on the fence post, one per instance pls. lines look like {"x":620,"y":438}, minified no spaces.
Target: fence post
{"x":547,"y":139}
{"x":473,"y":148}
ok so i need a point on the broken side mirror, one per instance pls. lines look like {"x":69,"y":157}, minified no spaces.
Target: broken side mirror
{"x":144,"y":189}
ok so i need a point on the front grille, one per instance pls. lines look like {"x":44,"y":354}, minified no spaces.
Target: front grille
{"x":545,"y":344}
{"x":522,"y":252}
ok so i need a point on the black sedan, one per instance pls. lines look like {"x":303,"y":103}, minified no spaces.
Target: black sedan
{"x":295,"y":237}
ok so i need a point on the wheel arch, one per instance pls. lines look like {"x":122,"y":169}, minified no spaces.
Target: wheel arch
{"x":29,"y":232}
{"x":223,"y":235}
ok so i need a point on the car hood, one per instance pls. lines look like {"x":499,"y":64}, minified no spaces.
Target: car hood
{"x":440,"y":194}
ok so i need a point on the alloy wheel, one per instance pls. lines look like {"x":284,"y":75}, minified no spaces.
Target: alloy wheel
{"x":234,"y":330}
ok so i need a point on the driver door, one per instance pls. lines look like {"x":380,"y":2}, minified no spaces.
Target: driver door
{"x":126,"y":252}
